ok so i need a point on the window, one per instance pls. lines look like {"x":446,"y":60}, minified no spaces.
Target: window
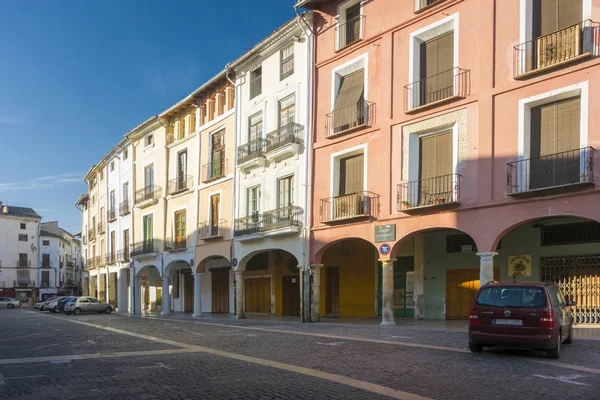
{"x":180,"y":240}
{"x":215,"y":205}
{"x":435,"y":171}
{"x":22,"y":237}
{"x":23,"y":225}
{"x":113,"y":201}
{"x":255,"y":82}
{"x":351,"y":178}
{"x":93,"y":200}
{"x":112,"y":166}
{"x":349,"y":28}
{"x":125,"y":154}
{"x":181,"y":129}
{"x":126,"y":245}
{"x":181,"y":170}
{"x":148,"y":231}
{"x":253,"y":201}
{"x":149,"y":177}
{"x":192,"y":122}
{"x":217,"y":156}
{"x":461,"y":243}
{"x":255,"y":127}
{"x":286,"y":62}
{"x":287,"y":110}
{"x":580,"y":232}
{"x":149,"y":140}
{"x":101,"y":173}
{"x":112,"y":246}
{"x":23,"y":260}
{"x":511,"y":297}
{"x":349,"y":108}
{"x":285,"y":191}
{"x":45,"y":243}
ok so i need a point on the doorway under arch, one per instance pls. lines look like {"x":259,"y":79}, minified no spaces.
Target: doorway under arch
{"x":148,"y":289}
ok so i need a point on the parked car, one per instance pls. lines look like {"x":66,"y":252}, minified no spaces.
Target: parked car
{"x":87,"y":304}
{"x":60,"y":304}
{"x":9,"y":302}
{"x":51,"y":305}
{"x":44,"y":306}
{"x":521,"y":315}
{"x":38,"y":305}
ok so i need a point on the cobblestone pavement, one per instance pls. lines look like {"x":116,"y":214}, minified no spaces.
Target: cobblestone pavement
{"x":115,"y":356}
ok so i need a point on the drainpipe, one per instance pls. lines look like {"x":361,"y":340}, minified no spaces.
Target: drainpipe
{"x":162,"y":264}
{"x":197,"y":188}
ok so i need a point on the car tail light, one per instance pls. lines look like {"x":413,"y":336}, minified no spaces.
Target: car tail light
{"x":546,"y":321}
{"x":473,"y":318}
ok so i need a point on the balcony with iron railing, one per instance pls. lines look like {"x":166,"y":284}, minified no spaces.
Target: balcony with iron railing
{"x":280,"y":221}
{"x":251,"y":154}
{"x":175,"y":245}
{"x":148,"y":195}
{"x":46,"y":263}
{"x":550,"y":173}
{"x":123,"y":255}
{"x":180,"y":184}
{"x":124,"y":208}
{"x":215,"y":169}
{"x":146,"y":247}
{"x":208,"y":230}
{"x":437,"y":89}
{"x":554,"y":50}
{"x":284,"y":142}
{"x":349,"y":207}
{"x":349,"y":32}
{"x":111,"y":258}
{"x":249,"y":225}
{"x":112,"y":214}
{"x":440,"y":191}
{"x":23,"y":263}
{"x":24,"y":282}
{"x":423,"y":5}
{"x":344,"y":120}
{"x":101,"y":227}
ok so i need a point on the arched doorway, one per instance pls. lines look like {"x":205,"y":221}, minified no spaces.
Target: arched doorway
{"x":217,"y":286}
{"x":561,"y":249}
{"x":348,"y":279}
{"x":436,"y":274}
{"x":148,"y":289}
{"x":181,"y":281}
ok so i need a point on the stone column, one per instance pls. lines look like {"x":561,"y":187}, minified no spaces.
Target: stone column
{"x":419,"y":277}
{"x":132,"y":288}
{"x":122,"y":290}
{"x":197,"y":296}
{"x":315,"y":307}
{"x":486,"y":267}
{"x":239,"y":295}
{"x":387,"y":295}
{"x":166,"y":296}
{"x":137,"y":297}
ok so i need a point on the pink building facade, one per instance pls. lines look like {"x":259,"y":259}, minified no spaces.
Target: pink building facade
{"x":453,"y":145}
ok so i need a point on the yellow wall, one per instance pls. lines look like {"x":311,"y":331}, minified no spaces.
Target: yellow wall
{"x":357,"y":262}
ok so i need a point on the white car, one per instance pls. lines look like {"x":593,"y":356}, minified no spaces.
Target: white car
{"x":9,"y":302}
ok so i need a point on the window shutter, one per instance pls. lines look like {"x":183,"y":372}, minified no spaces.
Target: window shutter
{"x":346,"y":108}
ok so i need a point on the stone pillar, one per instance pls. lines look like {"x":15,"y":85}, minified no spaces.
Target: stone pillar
{"x":315,"y":295}
{"x":197,"y":296}
{"x":122,"y":290}
{"x":98,"y":278}
{"x":486,"y":267}
{"x":137,"y":296}
{"x":387,"y":295}
{"x":419,"y":277}
{"x":166,"y":296}
{"x":132,"y":289}
{"x":239,"y":295}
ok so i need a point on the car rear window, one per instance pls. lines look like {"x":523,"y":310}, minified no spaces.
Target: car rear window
{"x":510,"y":296}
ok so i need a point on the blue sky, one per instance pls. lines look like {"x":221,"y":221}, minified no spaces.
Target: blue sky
{"x":75,"y":76}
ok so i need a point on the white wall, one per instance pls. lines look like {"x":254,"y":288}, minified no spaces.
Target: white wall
{"x":10,"y":247}
{"x":121,"y":174}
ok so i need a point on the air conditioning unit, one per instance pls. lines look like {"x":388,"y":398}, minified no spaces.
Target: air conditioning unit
{"x":559,"y":46}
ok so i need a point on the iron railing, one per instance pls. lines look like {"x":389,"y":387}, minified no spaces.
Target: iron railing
{"x":23,"y":264}
{"x":250,"y":150}
{"x":554,"y":49}
{"x":150,"y":192}
{"x":349,"y":32}
{"x":426,"y":4}
{"x":180,"y":184}
{"x":46,"y":263}
{"x":212,"y":229}
{"x":437,"y":191}
{"x":344,"y":119}
{"x":124,"y":208}
{"x":101,"y":226}
{"x":558,"y":170}
{"x":112,"y":214}
{"x":123,"y":255}
{"x":453,"y":83}
{"x":92,"y":234}
{"x":282,"y":217}
{"x":287,"y":134}
{"x":23,"y":282}
{"x":176,"y":244}
{"x":215,"y":169}
{"x":145,"y":247}
{"x":247,"y":225}
{"x":95,"y":262}
{"x":357,"y":205}
{"x":111,"y":258}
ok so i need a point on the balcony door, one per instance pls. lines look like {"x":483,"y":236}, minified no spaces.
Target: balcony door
{"x":349,"y":202}
{"x":255,"y":127}
{"x":148,"y":181}
{"x":287,"y":111}
{"x":436,"y":74}
{"x":215,"y":204}
{"x":349,"y":109}
{"x":148,"y":233}
{"x":435,"y":170}
{"x":352,"y":27}
{"x":112,"y":246}
{"x":181,"y":170}
{"x":217,"y":156}
{"x":285,"y":198}
{"x":253,"y":205}
{"x":126,"y":245}
{"x":555,"y":143}
{"x":180,"y":241}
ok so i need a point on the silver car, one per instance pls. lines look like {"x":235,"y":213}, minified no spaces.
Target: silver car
{"x":87,"y":304}
{"x":9,"y":302}
{"x":52,"y":304}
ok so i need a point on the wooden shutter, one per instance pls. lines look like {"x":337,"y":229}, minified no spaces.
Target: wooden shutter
{"x":437,"y":61}
{"x":436,"y":167}
{"x":552,"y":15}
{"x":351,"y":174}
{"x":180,"y":227}
{"x":215,"y":200}
{"x":345,"y":110}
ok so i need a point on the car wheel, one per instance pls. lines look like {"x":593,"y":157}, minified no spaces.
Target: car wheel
{"x":77,"y":311}
{"x":475,"y":348}
{"x":42,"y":308}
{"x":107,"y":310}
{"x":10,"y":306}
{"x":569,"y":340}
{"x":55,"y":310}
{"x":555,"y":352}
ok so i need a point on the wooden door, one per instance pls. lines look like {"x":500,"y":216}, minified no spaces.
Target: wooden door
{"x":333,"y":292}
{"x":188,"y":292}
{"x":258,"y":295}
{"x":461,"y":288}
{"x":435,"y":169}
{"x":220,"y":290}
{"x":291,"y":295}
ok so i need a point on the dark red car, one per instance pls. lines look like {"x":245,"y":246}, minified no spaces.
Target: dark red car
{"x":521,"y":315}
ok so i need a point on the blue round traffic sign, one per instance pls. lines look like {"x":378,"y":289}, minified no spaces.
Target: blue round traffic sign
{"x":234,"y":262}
{"x":385,"y":249}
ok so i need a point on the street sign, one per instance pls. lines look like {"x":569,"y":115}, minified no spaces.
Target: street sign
{"x":234,"y":262}
{"x":385,"y":249}
{"x":385,"y":233}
